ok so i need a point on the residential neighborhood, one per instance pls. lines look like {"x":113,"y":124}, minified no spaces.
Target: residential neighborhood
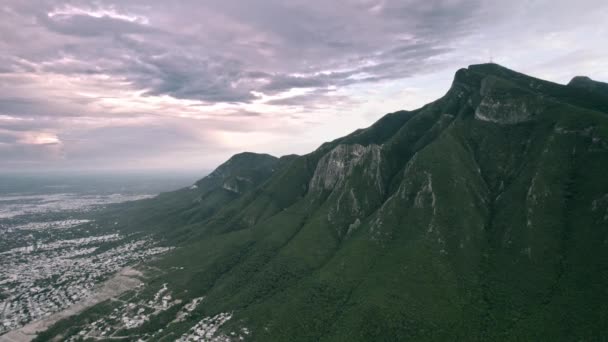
{"x":36,"y":281}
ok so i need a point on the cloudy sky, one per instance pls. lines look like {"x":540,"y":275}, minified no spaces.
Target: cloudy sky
{"x":184,"y":84}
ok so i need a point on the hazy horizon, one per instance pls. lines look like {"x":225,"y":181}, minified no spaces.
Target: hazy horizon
{"x":78,"y":182}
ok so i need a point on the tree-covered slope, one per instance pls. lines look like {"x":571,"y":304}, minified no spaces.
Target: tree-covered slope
{"x":480,"y":216}
{"x":171,"y":212}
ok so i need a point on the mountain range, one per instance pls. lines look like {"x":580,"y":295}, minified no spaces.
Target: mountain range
{"x":480,"y":216}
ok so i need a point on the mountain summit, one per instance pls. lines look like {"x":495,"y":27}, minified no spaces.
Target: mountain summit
{"x":586,"y":83}
{"x":480,"y":216}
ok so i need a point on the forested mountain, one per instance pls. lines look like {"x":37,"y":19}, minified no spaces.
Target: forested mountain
{"x":480,"y":216}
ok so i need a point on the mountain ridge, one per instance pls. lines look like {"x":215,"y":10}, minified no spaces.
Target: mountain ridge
{"x":479,"y":216}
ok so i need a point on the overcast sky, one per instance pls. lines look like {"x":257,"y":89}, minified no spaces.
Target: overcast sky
{"x":184,"y":84}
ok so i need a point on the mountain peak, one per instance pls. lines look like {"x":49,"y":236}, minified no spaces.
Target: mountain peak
{"x":249,"y":166}
{"x":474,"y":73}
{"x":245,"y":161}
{"x":489,"y":68}
{"x":580,"y":80}
{"x":251,"y":155}
{"x":584,"y":82}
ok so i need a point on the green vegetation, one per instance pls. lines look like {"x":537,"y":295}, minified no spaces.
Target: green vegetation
{"x":481,"y":216}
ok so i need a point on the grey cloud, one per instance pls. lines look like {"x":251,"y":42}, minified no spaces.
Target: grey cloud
{"x":6,"y":137}
{"x":13,"y":124}
{"x":37,"y":106}
{"x":217,"y":51}
{"x":19,"y":105}
{"x":314,"y":99}
{"x":239,"y":113}
{"x":187,"y":66}
{"x":56,"y":69}
{"x":285,"y":82}
{"x":210,"y":80}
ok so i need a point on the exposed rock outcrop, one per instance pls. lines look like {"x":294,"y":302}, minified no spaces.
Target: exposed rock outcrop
{"x":505,"y":107}
{"x":340,"y":162}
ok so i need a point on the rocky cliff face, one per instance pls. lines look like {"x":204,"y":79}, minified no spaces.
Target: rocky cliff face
{"x":505,"y":105}
{"x":340,"y":163}
{"x":352,"y":179}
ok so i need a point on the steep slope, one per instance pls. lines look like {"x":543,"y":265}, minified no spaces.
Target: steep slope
{"x":480,"y":216}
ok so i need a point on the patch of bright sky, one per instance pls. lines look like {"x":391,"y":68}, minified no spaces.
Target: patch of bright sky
{"x":109,"y":12}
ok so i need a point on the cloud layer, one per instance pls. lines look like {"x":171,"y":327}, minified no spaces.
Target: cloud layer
{"x":158,"y":84}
